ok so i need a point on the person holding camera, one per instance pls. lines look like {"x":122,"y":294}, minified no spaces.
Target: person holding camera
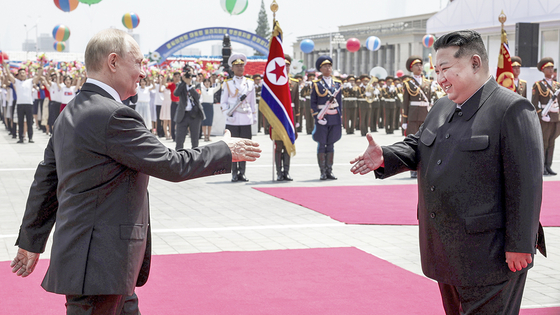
{"x":189,"y":114}
{"x":239,"y":105}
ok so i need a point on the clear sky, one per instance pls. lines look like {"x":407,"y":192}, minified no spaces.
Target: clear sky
{"x":160,"y":20}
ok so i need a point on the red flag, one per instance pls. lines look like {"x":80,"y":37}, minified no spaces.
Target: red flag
{"x":504,"y":74}
{"x":276,"y":100}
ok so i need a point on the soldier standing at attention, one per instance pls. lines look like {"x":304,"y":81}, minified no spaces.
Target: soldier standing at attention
{"x":416,"y":99}
{"x":281,"y":157}
{"x":350,"y":105}
{"x":390,"y":95}
{"x":375,"y":105}
{"x":328,"y":130}
{"x":520,"y":85}
{"x":306,"y":92}
{"x":298,"y":121}
{"x":363,"y":105}
{"x":550,"y":123}
{"x":239,"y":93}
{"x":257,"y":78}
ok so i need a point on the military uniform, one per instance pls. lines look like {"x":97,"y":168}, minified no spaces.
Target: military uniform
{"x":350,"y":93}
{"x":306,"y":93}
{"x":328,"y":131}
{"x":375,"y":106}
{"x":520,"y":85}
{"x":258,"y":89}
{"x":390,"y":96}
{"x":364,"y":106}
{"x":543,"y":91}
{"x":241,"y":119}
{"x":281,"y":157}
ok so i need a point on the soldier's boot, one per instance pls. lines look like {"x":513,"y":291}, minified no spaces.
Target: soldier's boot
{"x":241,"y":173}
{"x":548,"y":161}
{"x":234,"y":172}
{"x":330,"y":162}
{"x":286,"y":162}
{"x":322,"y":160}
{"x":278,"y":161}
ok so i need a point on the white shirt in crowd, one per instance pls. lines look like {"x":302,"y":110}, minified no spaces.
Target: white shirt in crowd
{"x":208,"y":93}
{"x":143,"y":94}
{"x":24,"y":91}
{"x":67,"y":94}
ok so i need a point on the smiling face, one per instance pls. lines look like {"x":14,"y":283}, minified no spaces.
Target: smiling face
{"x":129,"y":71}
{"x":455,"y":75}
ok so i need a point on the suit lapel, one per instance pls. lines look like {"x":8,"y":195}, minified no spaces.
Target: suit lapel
{"x":478,"y":99}
{"x":89,"y":87}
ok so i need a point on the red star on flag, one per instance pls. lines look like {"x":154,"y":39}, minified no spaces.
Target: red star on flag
{"x":279,"y":71}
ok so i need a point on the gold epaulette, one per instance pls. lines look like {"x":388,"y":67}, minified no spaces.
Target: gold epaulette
{"x":337,"y":80}
{"x":294,"y":80}
{"x":522,"y":81}
{"x":543,"y":94}
{"x":316,"y":80}
{"x":250,"y":79}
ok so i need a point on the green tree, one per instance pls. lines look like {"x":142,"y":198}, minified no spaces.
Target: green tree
{"x":263,"y":27}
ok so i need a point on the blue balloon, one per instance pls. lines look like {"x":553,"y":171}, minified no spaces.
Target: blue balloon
{"x":373,"y":43}
{"x":307,"y":45}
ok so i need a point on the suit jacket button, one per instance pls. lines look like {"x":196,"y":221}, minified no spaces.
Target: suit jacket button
{"x":438,"y":162}
{"x":460,"y":114}
{"x":447,"y":136}
{"x":433,"y":188}
{"x":433,"y":215}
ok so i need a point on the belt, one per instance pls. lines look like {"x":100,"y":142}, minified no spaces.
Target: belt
{"x":362,"y":99}
{"x":418,"y":103}
{"x":333,"y":106}
{"x":351,"y":98}
{"x":391,"y":100}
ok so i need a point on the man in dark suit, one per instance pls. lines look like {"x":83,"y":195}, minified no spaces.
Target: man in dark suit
{"x":479,"y":182}
{"x":189,"y":114}
{"x":93,"y":184}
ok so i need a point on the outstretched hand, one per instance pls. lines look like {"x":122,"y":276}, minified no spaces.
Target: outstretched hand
{"x":242,"y":149}
{"x":370,"y":160}
{"x":24,"y":263}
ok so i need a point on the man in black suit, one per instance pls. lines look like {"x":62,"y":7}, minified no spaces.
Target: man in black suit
{"x":478,"y":156}
{"x":93,"y":184}
{"x":189,"y":114}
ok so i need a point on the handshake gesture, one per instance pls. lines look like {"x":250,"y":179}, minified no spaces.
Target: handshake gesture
{"x":370,"y":160}
{"x":242,"y":149}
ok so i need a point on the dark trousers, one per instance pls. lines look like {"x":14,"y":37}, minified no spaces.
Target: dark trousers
{"x":309,"y":121}
{"x":390,"y":117}
{"x":25,"y":111}
{"x":550,"y":131}
{"x":503,"y":298}
{"x":240,"y":132}
{"x":54,"y":111}
{"x":374,"y":117}
{"x":183,"y":126}
{"x":102,"y":305}
{"x":159,"y":125}
{"x":350,"y":117}
{"x":173,"y":111}
{"x":365,"y":113}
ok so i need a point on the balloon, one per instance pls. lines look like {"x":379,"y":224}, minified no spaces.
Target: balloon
{"x":66,"y":5}
{"x":307,"y":46}
{"x":59,"y":46}
{"x":3,"y":57}
{"x":130,"y":20}
{"x":399,"y":73}
{"x":61,"y":33}
{"x":90,"y":2}
{"x":428,"y":40}
{"x":234,"y":7}
{"x":373,"y":43}
{"x":353,"y":45}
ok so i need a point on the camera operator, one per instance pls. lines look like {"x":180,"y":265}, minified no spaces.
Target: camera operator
{"x":189,"y":111}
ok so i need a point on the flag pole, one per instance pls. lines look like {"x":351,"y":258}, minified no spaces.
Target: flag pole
{"x":274,"y":9}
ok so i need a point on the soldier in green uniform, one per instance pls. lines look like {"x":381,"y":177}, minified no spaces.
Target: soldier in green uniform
{"x":363,"y":105}
{"x":257,"y":78}
{"x":390,"y":96}
{"x":375,"y":101}
{"x":306,"y":93}
{"x":543,"y":91}
{"x":350,"y":112}
{"x":520,"y":85}
{"x":298,"y":120}
{"x":380,"y":86}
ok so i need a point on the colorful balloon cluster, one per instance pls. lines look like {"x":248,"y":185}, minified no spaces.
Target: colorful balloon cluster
{"x":66,"y":5}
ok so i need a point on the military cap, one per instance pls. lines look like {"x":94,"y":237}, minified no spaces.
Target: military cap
{"x":257,"y":76}
{"x":237,"y":59}
{"x":545,"y":62}
{"x":516,"y":61}
{"x":311,"y":74}
{"x":374,"y":79}
{"x":364,"y":76}
{"x":298,"y":76}
{"x":288,"y":59}
{"x":389,"y":78}
{"x":413,"y":60}
{"x":351,"y":77}
{"x":323,"y":60}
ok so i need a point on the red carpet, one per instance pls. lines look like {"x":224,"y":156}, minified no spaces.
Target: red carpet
{"x":307,"y":281}
{"x":385,"y":204}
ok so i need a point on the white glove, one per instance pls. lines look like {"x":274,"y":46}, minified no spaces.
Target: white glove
{"x":404,"y":126}
{"x":545,"y":118}
{"x":368,"y":93}
{"x":297,"y":125}
{"x":376,"y":92}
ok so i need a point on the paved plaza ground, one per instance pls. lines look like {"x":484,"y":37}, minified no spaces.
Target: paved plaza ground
{"x":212,"y":214}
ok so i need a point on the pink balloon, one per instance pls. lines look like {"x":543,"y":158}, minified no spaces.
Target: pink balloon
{"x":353,"y":45}
{"x":400,"y":73}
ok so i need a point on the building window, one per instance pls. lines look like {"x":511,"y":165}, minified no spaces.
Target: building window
{"x":549,"y":44}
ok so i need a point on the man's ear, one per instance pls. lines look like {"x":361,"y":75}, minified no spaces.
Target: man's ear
{"x":112,"y":61}
{"x":476,"y":63}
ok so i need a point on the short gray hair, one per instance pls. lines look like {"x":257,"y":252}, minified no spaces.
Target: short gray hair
{"x":103,"y":44}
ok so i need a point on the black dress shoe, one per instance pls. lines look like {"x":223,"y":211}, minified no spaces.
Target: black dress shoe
{"x":242,"y":178}
{"x":545,"y":172}
{"x":31,"y":141}
{"x":287,"y":177}
{"x":323,"y":176}
{"x":550,"y":171}
{"x":20,"y":141}
{"x":234,"y":178}
{"x":331,"y":176}
{"x":279,"y":177}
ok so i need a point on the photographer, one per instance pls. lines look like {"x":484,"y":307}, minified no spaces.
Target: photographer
{"x":189,"y":112}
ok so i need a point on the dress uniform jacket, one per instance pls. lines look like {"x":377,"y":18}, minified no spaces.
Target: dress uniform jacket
{"x":309,"y":121}
{"x":542,"y":92}
{"x":246,"y":113}
{"x":93,"y":184}
{"x":320,"y":94}
{"x":521,"y":88}
{"x":479,"y":186}
{"x":415,"y":104}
